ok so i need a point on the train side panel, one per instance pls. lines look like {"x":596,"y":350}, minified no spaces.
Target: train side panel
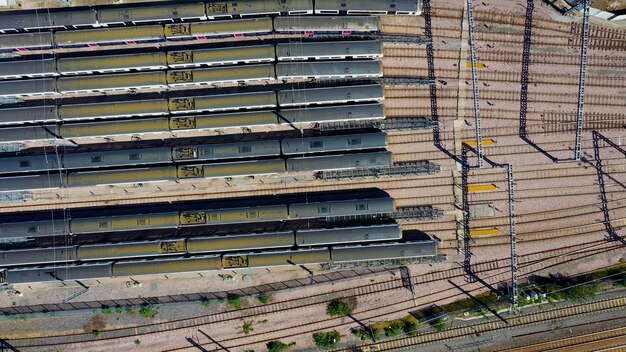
{"x":33,"y":228}
{"x":37,"y":256}
{"x":318,"y":237}
{"x":14,"y":116}
{"x":378,"y":251}
{"x":130,"y":249}
{"x":334,"y":143}
{"x":339,"y":162}
{"x":117,"y":158}
{"x":239,"y":242}
{"x":27,"y":68}
{"x":331,"y":95}
{"x":368,"y":49}
{"x":114,"y":109}
{"x":221,"y":56}
{"x":341,"y":208}
{"x":124,"y":222}
{"x":333,"y":114}
{"x":109,"y":177}
{"x":164,"y":266}
{"x":111,"y":63}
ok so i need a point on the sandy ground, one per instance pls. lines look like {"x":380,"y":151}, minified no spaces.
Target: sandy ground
{"x":546,"y":193}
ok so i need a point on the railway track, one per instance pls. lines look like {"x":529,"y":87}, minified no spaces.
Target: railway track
{"x":55,"y":341}
{"x":615,"y":337}
{"x":518,"y":321}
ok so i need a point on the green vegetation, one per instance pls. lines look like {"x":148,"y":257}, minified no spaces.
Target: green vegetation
{"x":221,"y":300}
{"x":327,"y":340}
{"x":338,"y":309}
{"x":367,"y":333}
{"x":234,"y":300}
{"x":107,"y":311}
{"x":277,"y":346}
{"x":264,"y":298}
{"x":95,"y":333}
{"x":137,"y":342}
{"x":119,"y":310}
{"x":391,"y":328}
{"x":247,"y":326}
{"x":206,"y":302}
{"x":148,"y":311}
{"x":438,"y":324}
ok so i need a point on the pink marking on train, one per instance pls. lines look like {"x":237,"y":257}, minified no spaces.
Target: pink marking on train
{"x":308,"y":33}
{"x":201,"y":37}
{"x":131,"y":42}
{"x":22,"y":49}
{"x":346,"y":32}
{"x":91,"y":45}
{"x":238,"y":35}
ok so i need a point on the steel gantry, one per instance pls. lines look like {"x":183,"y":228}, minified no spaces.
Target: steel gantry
{"x":467,"y":262}
{"x":611,"y":233}
{"x":580,"y":113}
{"x":472,"y":45}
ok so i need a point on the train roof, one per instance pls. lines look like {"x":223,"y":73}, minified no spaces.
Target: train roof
{"x":34,"y":228}
{"x":339,"y":162}
{"x":327,"y":24}
{"x":151,"y":13}
{"x":325,"y":50}
{"x":65,"y":273}
{"x":21,"y":68}
{"x":376,"y":251}
{"x":115,"y":109}
{"x":334,"y":143}
{"x":28,"y":115}
{"x":348,"y":234}
{"x":109,"y":35}
{"x":240,"y":242}
{"x":108,"y":82}
{"x":111,"y":63}
{"x":329,"y":95}
{"x":46,"y":19}
{"x":333,"y":113}
{"x":166,"y":265}
{"x":329,"y":69}
{"x":28,"y":87}
{"x":220,"y":56}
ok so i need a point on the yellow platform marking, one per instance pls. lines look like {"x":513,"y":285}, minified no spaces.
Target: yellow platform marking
{"x":468,"y":64}
{"x":484,"y":232}
{"x":474,"y":144}
{"x":485,"y":187}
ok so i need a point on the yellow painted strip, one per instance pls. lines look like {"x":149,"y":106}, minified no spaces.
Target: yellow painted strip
{"x":484,"y":232}
{"x":468,"y":64}
{"x":474,"y":144}
{"x":487,"y":187}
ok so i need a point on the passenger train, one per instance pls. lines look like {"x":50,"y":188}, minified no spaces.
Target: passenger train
{"x":243,"y":259}
{"x":254,"y":27}
{"x":102,"y":16}
{"x":200,"y":245}
{"x":177,"y":59}
{"x":199,"y":217}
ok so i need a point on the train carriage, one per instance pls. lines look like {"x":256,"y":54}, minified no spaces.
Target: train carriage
{"x":225,"y":102}
{"x":100,"y":36}
{"x":33,"y":228}
{"x":24,"y":183}
{"x":130,"y":249}
{"x":152,"y":13}
{"x":328,"y":70}
{"x":77,"y":112}
{"x":124,"y":223}
{"x":111,"y":63}
{"x":18,"y":164}
{"x":240,"y":119}
{"x":47,"y":19}
{"x":341,"y":208}
{"x":239,"y":242}
{"x":367,"y":49}
{"x":112,"y":128}
{"x":111,"y":82}
{"x":334,"y":143}
{"x":36,"y":114}
{"x":217,"y":29}
{"x":28,"y":88}
{"x":37,"y":256}
{"x":164,"y":266}
{"x":318,"y":237}
{"x":222,"y":9}
{"x":240,"y":168}
{"x":28,"y":133}
{"x":333,"y":114}
{"x":27,"y":68}
{"x":221,"y":75}
{"x":327,"y":24}
{"x":59,"y":273}
{"x":222,"y":151}
{"x":221,"y":56}
{"x":382,"y":251}
{"x":116,"y":158}
{"x":234,"y":215}
{"x":339,"y":162}
{"x":109,"y":177}
{"x":330,"y":95}
{"x":369,"y":7}
{"x":28,"y":41}
{"x":276,"y":258}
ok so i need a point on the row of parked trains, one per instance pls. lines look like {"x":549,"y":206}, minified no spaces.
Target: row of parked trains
{"x":200,"y":216}
{"x":201,"y":245}
{"x":218,"y":152}
{"x":47,"y":126}
{"x":226,"y":170}
{"x":242,"y":74}
{"x":103,"y":16}
{"x":241,"y":259}
{"x":173,"y":59}
{"x":115,"y":36}
{"x":269,"y":99}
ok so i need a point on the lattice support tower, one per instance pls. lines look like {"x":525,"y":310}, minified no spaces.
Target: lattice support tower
{"x":467,"y":254}
{"x":611,"y":233}
{"x":580,"y":113}
{"x":475,"y":92}
{"x":528,"y":25}
{"x":512,"y":234}
{"x":396,"y":123}
{"x":421,"y":168}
